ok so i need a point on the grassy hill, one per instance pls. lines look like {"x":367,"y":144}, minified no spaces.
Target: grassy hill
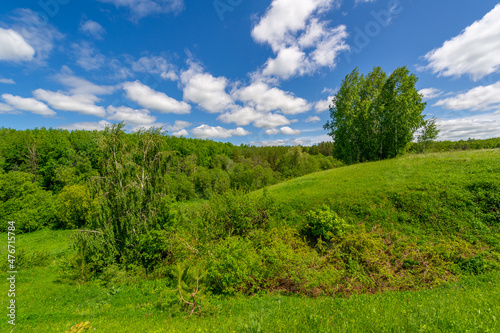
{"x":453,"y":194}
{"x":419,"y":253}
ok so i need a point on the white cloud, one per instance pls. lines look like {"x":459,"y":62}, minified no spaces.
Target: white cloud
{"x":302,"y":141}
{"x":289,"y":131}
{"x":7,"y":81}
{"x":182,"y":132}
{"x":130,"y":116}
{"x":313,"y":119}
{"x":28,"y":104}
{"x":477,"y":127}
{"x":431,"y":93}
{"x":142,"y":8}
{"x":476,"y":51}
{"x":156,"y":65}
{"x":88,"y":57}
{"x":241,"y":116}
{"x":37,"y":32}
{"x":13,"y":46}
{"x":263,"y":98}
{"x":284,"y":18}
{"x":482,"y":98}
{"x":84,"y":104}
{"x":204,"y":89}
{"x":87,"y":126}
{"x":288,"y":62}
{"x":324,"y":105}
{"x":270,"y":120}
{"x":80,"y":85}
{"x":272,"y":131}
{"x":210,"y":132}
{"x":178,"y":125}
{"x":93,"y":29}
{"x":152,"y":99}
{"x":302,"y":43}
{"x":4,"y":108}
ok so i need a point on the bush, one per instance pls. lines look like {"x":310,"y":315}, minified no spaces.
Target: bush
{"x":25,"y":202}
{"x":234,"y":214}
{"x":325,"y":224}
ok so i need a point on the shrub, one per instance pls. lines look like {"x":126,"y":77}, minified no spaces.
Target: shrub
{"x":325,"y":224}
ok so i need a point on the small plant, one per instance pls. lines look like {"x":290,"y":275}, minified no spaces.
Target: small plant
{"x":325,"y":224}
{"x":83,"y":326}
{"x":188,"y":287}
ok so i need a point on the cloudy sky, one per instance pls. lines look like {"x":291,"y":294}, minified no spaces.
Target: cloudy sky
{"x":259,"y":72}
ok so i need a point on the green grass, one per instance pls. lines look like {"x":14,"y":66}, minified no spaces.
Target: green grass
{"x":427,"y":198}
{"x":420,"y":194}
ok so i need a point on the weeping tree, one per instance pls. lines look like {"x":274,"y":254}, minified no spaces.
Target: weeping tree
{"x":375,"y":116}
{"x":129,"y":190}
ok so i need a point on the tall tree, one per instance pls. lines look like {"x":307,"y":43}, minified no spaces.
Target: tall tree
{"x":373,"y":116}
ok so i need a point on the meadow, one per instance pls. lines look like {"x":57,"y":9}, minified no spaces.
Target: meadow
{"x":410,"y":244}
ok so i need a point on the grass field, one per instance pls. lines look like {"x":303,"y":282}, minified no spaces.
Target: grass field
{"x":445,"y":197}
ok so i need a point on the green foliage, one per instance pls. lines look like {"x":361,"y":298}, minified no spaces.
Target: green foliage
{"x":234,"y":214}
{"x":428,"y":134}
{"x":324,"y":223}
{"x":374,"y":116}
{"x":75,"y":206}
{"x":23,"y":201}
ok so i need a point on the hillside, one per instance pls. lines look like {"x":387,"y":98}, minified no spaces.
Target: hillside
{"x":408,"y":244}
{"x":452,"y":193}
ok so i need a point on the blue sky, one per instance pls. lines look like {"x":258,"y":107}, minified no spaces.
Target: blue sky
{"x":256,"y":72}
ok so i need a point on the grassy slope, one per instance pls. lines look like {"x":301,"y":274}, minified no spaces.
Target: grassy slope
{"x":416,"y":193}
{"x":366,"y":193}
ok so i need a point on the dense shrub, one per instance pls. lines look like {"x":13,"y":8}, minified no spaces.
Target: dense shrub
{"x":25,"y":202}
{"x":325,"y":224}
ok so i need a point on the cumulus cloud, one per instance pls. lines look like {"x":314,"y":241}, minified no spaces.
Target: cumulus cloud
{"x":204,"y":89}
{"x":28,"y":104}
{"x":482,"y":98}
{"x":476,"y":127}
{"x":142,"y":8}
{"x":156,"y":65}
{"x":217,"y":132}
{"x":289,"y":131}
{"x":130,"y":116}
{"x":264,"y":98}
{"x":476,"y":51}
{"x":93,"y":29}
{"x":154,"y":100}
{"x":84,"y":104}
{"x":271,"y":120}
{"x":301,"y":41}
{"x":431,"y":93}
{"x":87,"y":126}
{"x":313,"y":119}
{"x":13,"y":47}
{"x":4,"y":108}
{"x":7,"y":81}
{"x":272,"y":131}
{"x":36,"y":32}
{"x":324,"y":105}
{"x":181,"y":132}
{"x":241,"y":116}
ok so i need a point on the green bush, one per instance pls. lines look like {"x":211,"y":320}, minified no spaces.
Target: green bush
{"x":25,"y":203}
{"x":325,"y":224}
{"x":234,"y":214}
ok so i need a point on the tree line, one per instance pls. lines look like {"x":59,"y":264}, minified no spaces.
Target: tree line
{"x":46,"y":173}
